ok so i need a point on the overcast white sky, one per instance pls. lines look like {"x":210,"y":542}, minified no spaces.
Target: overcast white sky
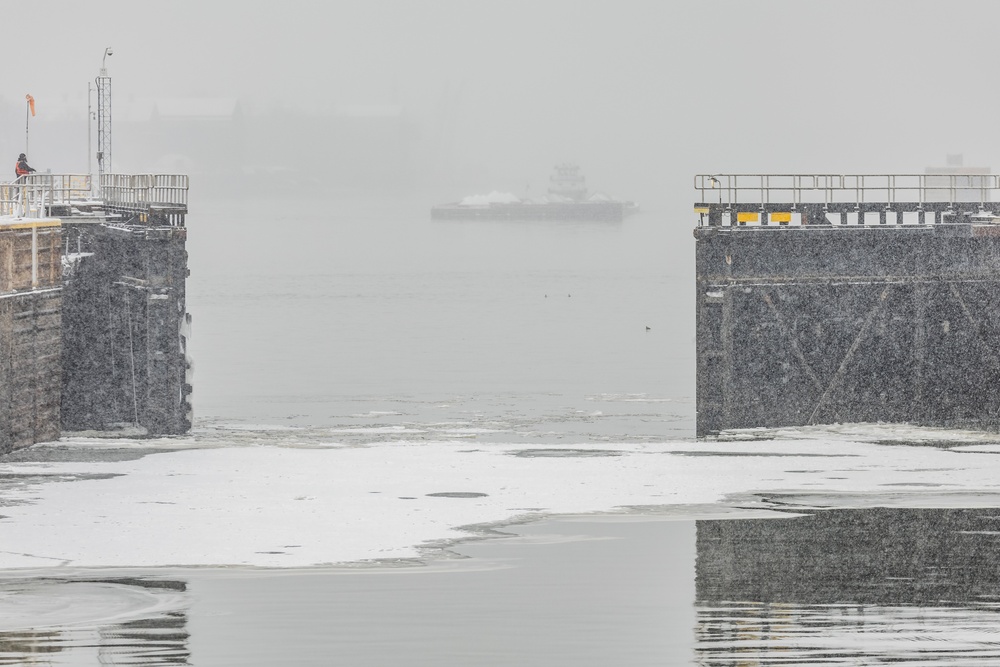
{"x":642,"y":92}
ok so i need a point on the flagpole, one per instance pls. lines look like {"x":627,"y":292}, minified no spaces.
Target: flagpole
{"x":29,"y":111}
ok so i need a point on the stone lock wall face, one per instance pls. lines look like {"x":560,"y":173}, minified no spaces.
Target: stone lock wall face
{"x":799,"y":327}
{"x":93,"y":319}
{"x":132,"y":369}
{"x":99,"y":344}
{"x":30,"y":334}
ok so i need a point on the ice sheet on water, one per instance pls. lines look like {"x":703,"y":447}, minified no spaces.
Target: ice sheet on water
{"x":41,"y":603}
{"x":258,"y":427}
{"x":630,"y":398}
{"x":394,"y":429}
{"x":239,"y":496}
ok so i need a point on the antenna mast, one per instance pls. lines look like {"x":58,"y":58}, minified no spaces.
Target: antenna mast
{"x":103,"y":119}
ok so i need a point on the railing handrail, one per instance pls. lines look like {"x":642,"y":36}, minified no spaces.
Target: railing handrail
{"x":861,"y":188}
{"x":161,"y":197}
{"x":143,"y":190}
{"x":34,"y":195}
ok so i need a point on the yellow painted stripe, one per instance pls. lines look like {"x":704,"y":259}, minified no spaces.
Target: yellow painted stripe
{"x":701,"y":209}
{"x":47,"y":222}
{"x":781,"y":217}
{"x":747,"y":217}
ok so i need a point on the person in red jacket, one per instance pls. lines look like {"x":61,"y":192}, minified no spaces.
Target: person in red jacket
{"x":22,"y":168}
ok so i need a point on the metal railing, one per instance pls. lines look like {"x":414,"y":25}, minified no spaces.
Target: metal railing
{"x":161,"y":198}
{"x":65,"y":188}
{"x":145,"y":198}
{"x":39,"y":195}
{"x":730,"y":189}
{"x":141,"y":191}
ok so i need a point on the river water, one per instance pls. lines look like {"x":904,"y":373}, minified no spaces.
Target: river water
{"x":304,"y":314}
{"x":581,"y":591}
{"x":350,"y":326}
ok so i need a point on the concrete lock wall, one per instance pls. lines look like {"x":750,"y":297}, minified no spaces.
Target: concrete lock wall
{"x":124,"y":315}
{"x":801,"y":326}
{"x":30,"y":333}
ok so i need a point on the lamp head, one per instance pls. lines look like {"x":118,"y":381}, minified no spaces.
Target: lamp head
{"x":107,"y":52}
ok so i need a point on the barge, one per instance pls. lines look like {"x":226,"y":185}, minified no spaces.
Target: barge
{"x":567,"y":199}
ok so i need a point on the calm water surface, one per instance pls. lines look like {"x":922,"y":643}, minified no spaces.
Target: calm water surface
{"x":308,"y":314}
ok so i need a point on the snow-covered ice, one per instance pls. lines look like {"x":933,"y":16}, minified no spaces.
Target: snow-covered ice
{"x":280,"y":499}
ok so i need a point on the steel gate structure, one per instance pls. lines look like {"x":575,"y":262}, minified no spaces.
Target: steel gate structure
{"x":829,"y":299}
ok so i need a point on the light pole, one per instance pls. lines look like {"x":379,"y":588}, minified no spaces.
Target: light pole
{"x":90,"y":120}
{"x":103,"y":118}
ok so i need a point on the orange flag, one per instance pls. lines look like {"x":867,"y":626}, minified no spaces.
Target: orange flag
{"x":31,"y":103}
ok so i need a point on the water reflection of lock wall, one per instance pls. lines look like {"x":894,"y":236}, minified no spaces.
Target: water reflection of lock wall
{"x":843,"y":587}
{"x":865,"y":556}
